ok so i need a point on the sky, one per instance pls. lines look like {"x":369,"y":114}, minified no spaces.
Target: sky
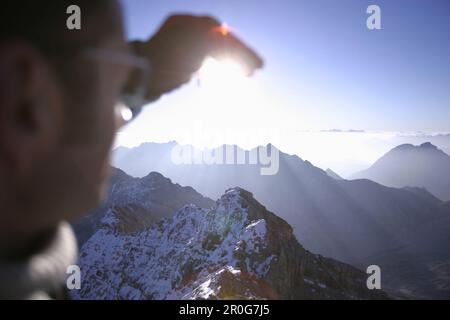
{"x":324,"y":69}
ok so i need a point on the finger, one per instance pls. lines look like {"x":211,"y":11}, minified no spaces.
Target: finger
{"x":200,"y":23}
{"x":221,"y":41}
{"x":225,"y":44}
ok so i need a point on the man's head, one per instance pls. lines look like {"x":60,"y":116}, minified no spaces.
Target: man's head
{"x":57,"y":120}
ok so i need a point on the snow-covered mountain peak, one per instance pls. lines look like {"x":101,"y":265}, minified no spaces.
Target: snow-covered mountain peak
{"x":236,"y":249}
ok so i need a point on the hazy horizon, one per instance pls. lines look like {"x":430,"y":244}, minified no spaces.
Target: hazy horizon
{"x":345,"y":152}
{"x":323,"y":70}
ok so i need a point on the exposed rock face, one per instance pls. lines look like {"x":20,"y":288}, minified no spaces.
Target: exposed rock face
{"x":236,"y":249}
{"x":359,"y":222}
{"x":345,"y":220}
{"x":138,"y":202}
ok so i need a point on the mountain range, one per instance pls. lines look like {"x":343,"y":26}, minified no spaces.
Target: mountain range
{"x":359,"y":222}
{"x":236,"y":249}
{"x":138,"y":202}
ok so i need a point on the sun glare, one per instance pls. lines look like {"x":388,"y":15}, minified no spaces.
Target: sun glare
{"x":224,"y":89}
{"x":223,"y":29}
{"x":230,"y":103}
{"x":221,"y":73}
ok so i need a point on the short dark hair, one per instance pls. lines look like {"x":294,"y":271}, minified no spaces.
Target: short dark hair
{"x":43,"y":23}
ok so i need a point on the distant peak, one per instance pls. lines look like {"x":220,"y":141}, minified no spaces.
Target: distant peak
{"x":404,"y":146}
{"x":270,"y":145}
{"x":333,"y":174}
{"x":428,"y":145}
{"x":156,"y":176}
{"x":237,"y":191}
{"x":423,"y":146}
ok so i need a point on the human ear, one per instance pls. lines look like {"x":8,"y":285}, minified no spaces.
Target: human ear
{"x":30,"y":106}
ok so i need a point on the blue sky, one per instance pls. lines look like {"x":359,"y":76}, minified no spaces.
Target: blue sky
{"x":324,"y":62}
{"x":324,"y":70}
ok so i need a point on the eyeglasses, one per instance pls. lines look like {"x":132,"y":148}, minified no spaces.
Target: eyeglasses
{"x":131,"y":99}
